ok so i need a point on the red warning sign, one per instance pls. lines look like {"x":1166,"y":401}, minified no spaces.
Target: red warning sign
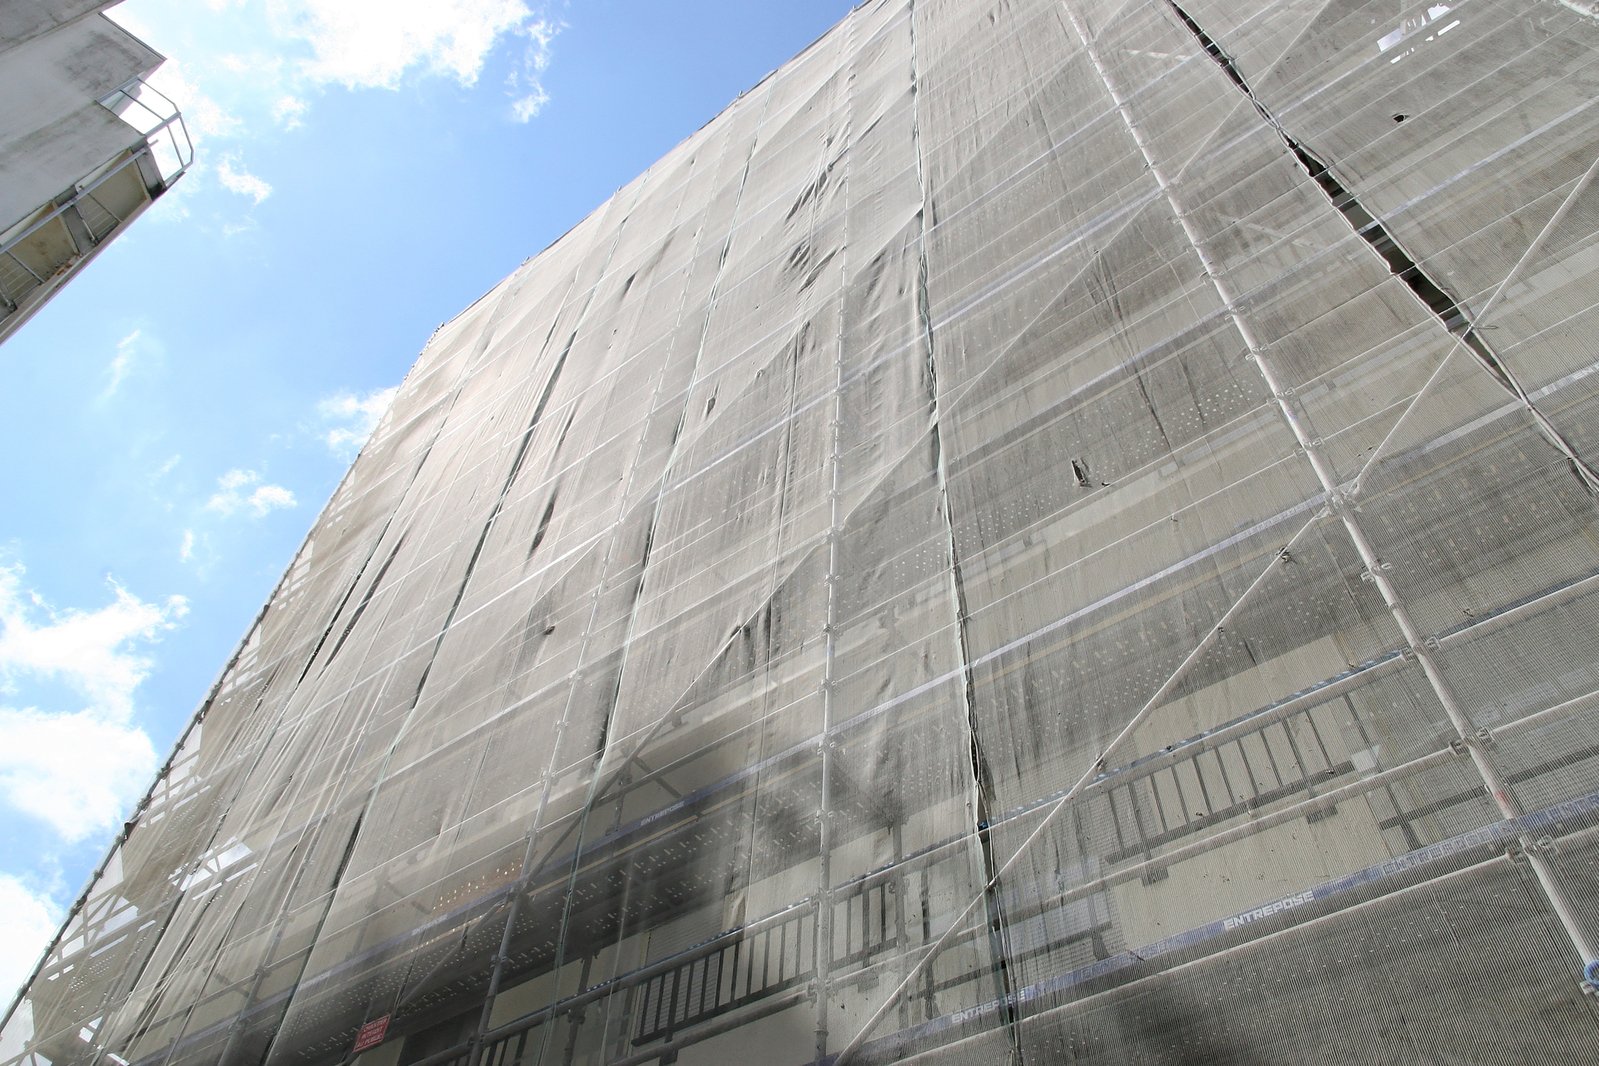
{"x":371,"y":1034}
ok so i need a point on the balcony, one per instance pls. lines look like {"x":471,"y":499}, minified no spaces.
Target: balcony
{"x":43,"y":250}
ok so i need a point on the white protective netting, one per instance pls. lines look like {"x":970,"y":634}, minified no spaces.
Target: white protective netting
{"x":1049,"y":531}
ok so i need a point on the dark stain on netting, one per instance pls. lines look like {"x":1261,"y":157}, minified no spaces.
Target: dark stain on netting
{"x":811,"y":192}
{"x":644,"y":562}
{"x":366,"y":599}
{"x":566,"y":429}
{"x":533,"y":425}
{"x":817,"y":268}
{"x":800,"y":257}
{"x":494,"y":514}
{"x":543,"y":529}
{"x":327,"y":909}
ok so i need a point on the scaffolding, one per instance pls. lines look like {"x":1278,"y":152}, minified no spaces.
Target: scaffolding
{"x":1049,"y":531}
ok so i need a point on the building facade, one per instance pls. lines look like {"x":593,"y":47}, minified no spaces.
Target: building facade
{"x":1047,"y":532}
{"x":85,"y":144}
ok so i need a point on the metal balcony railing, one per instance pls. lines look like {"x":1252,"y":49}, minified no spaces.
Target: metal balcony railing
{"x":153,"y":114}
{"x":770,"y":960}
{"x":1279,"y":758}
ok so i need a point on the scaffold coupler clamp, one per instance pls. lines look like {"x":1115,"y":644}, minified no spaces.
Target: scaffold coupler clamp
{"x":1590,"y":978}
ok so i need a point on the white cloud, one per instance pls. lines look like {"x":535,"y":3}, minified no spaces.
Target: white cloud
{"x":77,"y":771}
{"x":527,"y":107}
{"x":121,"y":364}
{"x":244,"y":490}
{"x":186,"y":549}
{"x":351,"y":418}
{"x":28,"y":921}
{"x":294,"y":50}
{"x":84,"y":649}
{"x":288,"y":111}
{"x":270,"y":498}
{"x":364,"y":44}
{"x":300,"y":46}
{"x":235,"y":178}
{"x":525,"y":83}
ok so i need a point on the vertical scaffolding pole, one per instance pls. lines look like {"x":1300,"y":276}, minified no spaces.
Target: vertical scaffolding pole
{"x":823,"y":952}
{"x":902,"y":937}
{"x":1340,"y":502}
{"x":824,"y":891}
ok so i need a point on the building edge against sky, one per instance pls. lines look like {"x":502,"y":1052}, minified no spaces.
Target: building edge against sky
{"x":1046,"y":532}
{"x":85,"y":144}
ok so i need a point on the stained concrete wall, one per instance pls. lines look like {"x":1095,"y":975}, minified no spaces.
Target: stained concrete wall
{"x":53,"y":131}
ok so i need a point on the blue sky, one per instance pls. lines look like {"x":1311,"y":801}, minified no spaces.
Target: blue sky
{"x":179,"y":414}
